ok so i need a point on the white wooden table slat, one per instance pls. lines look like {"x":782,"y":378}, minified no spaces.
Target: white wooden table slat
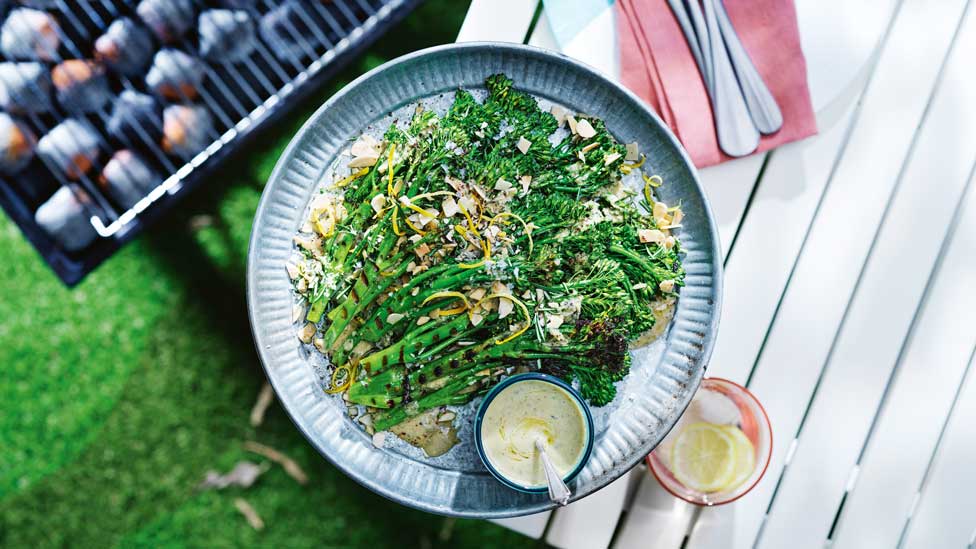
{"x":590,"y":522}
{"x":542,"y":36}
{"x":898,"y":454}
{"x":888,"y":289}
{"x":532,"y":526}
{"x":655,"y":519}
{"x":944,"y":516}
{"x":596,"y":44}
{"x":912,"y":418}
{"x":728,"y":187}
{"x":497,"y":20}
{"x":819,"y":291}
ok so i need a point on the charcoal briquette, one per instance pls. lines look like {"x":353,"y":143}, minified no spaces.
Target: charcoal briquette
{"x":17,"y":144}
{"x":226,"y":35}
{"x":127,"y":178}
{"x":25,"y":87}
{"x":175,"y":75}
{"x":66,"y":219}
{"x":187,"y":130}
{"x":71,"y":147}
{"x":30,"y":34}
{"x":126,"y":47}
{"x":81,"y":85}
{"x":167,"y":19}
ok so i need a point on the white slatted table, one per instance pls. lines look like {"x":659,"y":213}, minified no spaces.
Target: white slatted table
{"x":850,"y":295}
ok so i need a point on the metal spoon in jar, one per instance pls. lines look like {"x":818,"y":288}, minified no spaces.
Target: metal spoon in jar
{"x":558,"y":491}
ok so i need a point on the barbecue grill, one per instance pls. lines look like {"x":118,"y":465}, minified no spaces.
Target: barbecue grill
{"x":138,"y":101}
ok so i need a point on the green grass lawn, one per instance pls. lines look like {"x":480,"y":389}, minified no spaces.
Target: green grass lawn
{"x":118,"y":395}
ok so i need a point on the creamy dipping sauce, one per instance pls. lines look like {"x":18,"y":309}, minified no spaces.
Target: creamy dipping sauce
{"x":527,"y":411}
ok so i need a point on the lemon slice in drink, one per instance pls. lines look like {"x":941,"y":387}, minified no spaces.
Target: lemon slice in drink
{"x":703,"y":457}
{"x":745,"y":457}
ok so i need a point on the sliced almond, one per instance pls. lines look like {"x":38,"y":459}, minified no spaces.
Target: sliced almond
{"x":423,"y":320}
{"x":651,"y":236}
{"x":633,"y":153}
{"x":677,"y":216}
{"x":553,"y":322}
{"x":320,"y":345}
{"x":393,"y":318}
{"x":297,"y":312}
{"x":502,"y":185}
{"x":292,"y":270}
{"x":313,"y":244}
{"x":660,"y":210}
{"x":498,"y":287}
{"x":559,"y":114}
{"x":454,"y":182}
{"x":422,"y":250}
{"x":476,"y":319}
{"x":505,"y":307}
{"x":585,"y":129}
{"x":666,"y":285}
{"x":572,"y":124}
{"x":478,"y":190}
{"x":525,"y":181}
{"x":639,"y":286}
{"x":378,"y":202}
{"x":468,"y":204}
{"x":523,"y":145}
{"x":361,"y":348}
{"x":415,"y":291}
{"x":611,"y":158}
{"x":363,"y":161}
{"x":446,"y":417}
{"x":477,"y":293}
{"x":307,"y":332}
{"x":366,"y":145}
{"x":449,"y":206}
{"x":669,"y":243}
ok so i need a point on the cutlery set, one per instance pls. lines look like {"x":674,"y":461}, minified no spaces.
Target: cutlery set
{"x":742,"y":105}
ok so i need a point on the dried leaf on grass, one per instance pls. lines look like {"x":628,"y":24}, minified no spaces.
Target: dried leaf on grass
{"x":261,"y":405}
{"x":288,"y":464}
{"x":447,"y":529}
{"x":199,"y":222}
{"x":244,"y":474}
{"x":249,"y":513}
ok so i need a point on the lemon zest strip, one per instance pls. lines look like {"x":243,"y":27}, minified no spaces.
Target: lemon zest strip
{"x":350,"y":178}
{"x":456,"y":310}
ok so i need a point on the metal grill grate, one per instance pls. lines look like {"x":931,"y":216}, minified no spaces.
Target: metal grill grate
{"x":296,"y":44}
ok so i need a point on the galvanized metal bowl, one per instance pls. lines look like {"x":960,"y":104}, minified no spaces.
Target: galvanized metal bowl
{"x":664,"y":375}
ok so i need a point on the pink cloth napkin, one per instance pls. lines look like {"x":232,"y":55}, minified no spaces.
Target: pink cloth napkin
{"x":656,"y":63}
